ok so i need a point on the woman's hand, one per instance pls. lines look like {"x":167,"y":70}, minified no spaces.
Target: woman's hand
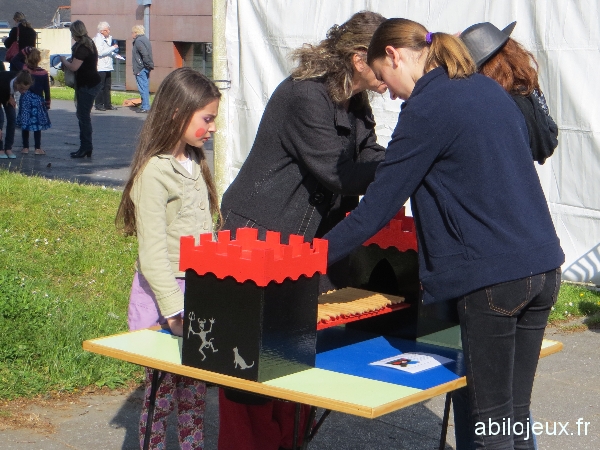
{"x":176,"y":325}
{"x":72,"y":65}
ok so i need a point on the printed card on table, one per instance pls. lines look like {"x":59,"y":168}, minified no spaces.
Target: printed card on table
{"x":413,"y":362}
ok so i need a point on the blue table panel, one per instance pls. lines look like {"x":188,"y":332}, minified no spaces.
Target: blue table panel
{"x":350,"y":352}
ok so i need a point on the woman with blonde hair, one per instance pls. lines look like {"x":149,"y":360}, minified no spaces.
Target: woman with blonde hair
{"x":142,"y":63}
{"x":84,"y":62}
{"x":460,"y":152}
{"x":314,"y":153}
{"x":23,"y":33}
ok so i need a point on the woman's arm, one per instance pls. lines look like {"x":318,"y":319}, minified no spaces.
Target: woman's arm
{"x":410,"y":155}
{"x":73,"y":65}
{"x":370,"y":150}
{"x":47,"y":90}
{"x":311,"y":135}
{"x":12,"y":37}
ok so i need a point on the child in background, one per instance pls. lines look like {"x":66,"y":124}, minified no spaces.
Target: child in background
{"x":35,"y":103}
{"x":170,"y":193}
{"x":18,"y":87}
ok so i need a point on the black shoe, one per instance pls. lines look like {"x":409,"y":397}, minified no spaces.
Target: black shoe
{"x":111,"y":108}
{"x":100,"y":108}
{"x":81,"y":154}
{"x":143,"y":111}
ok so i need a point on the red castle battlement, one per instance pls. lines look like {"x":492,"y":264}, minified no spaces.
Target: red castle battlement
{"x":399,"y":233}
{"x":247,"y":258}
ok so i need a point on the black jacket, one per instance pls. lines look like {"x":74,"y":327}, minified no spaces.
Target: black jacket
{"x":27,"y":37}
{"x":5,"y":79}
{"x":543,"y":132}
{"x":306,"y":156}
{"x":142,"y":54}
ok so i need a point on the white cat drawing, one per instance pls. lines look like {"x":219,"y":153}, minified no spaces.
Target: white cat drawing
{"x":239,"y":361}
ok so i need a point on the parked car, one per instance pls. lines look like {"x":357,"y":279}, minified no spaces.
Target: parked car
{"x":55,"y":65}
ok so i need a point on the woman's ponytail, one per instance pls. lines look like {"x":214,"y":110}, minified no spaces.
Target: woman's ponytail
{"x":450,"y":52}
{"x":445,"y":50}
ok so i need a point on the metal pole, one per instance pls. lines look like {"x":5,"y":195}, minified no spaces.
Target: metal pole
{"x":147,"y":20}
{"x":220,"y":72}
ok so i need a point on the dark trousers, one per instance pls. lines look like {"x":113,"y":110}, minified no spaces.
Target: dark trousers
{"x":85,"y":101}
{"x":37,"y":138}
{"x":103,"y":97}
{"x":502,"y":327}
{"x":11,"y":118}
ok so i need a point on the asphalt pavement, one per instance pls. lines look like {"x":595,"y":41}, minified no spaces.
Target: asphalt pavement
{"x":115,"y":138}
{"x":567,"y":385}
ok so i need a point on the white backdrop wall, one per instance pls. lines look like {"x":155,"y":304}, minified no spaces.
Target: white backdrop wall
{"x":563,"y":35}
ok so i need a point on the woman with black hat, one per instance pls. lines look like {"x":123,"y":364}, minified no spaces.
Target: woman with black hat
{"x":503,"y":59}
{"x":485,"y":235}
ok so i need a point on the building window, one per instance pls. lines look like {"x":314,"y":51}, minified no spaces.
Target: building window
{"x":197,"y":55}
{"x":118,"y":76}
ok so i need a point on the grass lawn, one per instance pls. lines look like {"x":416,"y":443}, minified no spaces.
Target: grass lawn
{"x":65,"y":275}
{"x":117,"y":97}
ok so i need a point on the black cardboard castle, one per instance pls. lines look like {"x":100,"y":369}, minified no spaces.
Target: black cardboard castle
{"x":388,"y":263}
{"x":251,"y":305}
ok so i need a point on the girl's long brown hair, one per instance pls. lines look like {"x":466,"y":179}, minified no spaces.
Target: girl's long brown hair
{"x":183,"y":92}
{"x":332,"y":57}
{"x":514,"y":68}
{"x":445,"y":50}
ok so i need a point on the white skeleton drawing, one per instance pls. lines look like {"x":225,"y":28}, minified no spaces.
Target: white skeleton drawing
{"x":239,"y":361}
{"x":202,"y":333}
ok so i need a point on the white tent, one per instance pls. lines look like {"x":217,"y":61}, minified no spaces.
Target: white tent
{"x":562,"y":34}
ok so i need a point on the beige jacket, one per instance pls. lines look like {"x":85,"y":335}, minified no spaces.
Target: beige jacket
{"x":169,"y":203}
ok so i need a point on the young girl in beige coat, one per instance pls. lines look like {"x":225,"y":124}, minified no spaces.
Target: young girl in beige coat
{"x":170,"y":194}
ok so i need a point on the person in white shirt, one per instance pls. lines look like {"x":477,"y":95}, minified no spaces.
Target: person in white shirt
{"x":106,"y":53}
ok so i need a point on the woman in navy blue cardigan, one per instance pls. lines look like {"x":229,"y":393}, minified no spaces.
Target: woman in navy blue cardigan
{"x":461,"y":153}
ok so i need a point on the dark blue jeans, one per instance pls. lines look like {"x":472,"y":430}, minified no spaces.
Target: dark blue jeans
{"x":84,"y":97}
{"x":11,"y":118}
{"x":463,"y":431}
{"x":502,"y":327}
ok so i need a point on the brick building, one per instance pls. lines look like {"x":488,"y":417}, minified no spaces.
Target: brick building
{"x":180,"y":32}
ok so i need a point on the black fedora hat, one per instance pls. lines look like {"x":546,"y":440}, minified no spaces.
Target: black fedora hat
{"x":483,"y":40}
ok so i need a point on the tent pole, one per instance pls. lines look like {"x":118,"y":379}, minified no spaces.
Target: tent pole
{"x":220,"y":75}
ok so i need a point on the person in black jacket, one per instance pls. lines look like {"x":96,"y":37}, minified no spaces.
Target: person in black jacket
{"x":314,"y":153}
{"x":142,"y":64}
{"x":23,"y":32}
{"x":504,"y":60}
{"x":84,"y":62}
{"x":316,"y":149}
{"x":7,"y":108}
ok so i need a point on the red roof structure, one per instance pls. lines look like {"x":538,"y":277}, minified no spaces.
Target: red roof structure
{"x":399,"y":233}
{"x":248,"y":258}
